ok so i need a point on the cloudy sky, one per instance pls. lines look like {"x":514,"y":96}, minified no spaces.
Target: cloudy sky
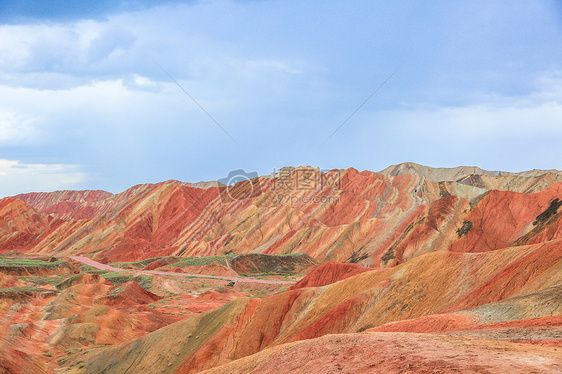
{"x":87,"y":99}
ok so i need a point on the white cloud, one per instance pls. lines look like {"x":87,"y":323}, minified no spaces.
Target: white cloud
{"x":537,"y":113}
{"x":17,"y":177}
{"x":71,"y":47}
{"x":484,"y":121}
{"x":66,"y":56}
{"x":488,"y":117}
{"x":549,"y":87}
{"x":16,"y":128}
{"x":25,"y":112}
{"x":511,"y":133}
{"x":144,"y":81}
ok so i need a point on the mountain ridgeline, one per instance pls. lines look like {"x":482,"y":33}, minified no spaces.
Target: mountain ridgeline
{"x":373,"y":219}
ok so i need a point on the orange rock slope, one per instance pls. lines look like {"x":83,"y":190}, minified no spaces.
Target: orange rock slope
{"x":397,"y":353}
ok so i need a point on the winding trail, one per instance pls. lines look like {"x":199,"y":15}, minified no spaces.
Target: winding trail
{"x":101,"y":266}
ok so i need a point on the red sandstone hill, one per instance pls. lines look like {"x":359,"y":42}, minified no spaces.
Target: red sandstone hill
{"x":23,"y":227}
{"x":69,"y":204}
{"x":373,"y":219}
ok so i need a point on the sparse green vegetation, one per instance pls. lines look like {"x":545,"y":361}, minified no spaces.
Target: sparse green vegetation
{"x":140,"y":263}
{"x":145,"y":281}
{"x":29,"y":289}
{"x":54,"y":280}
{"x":26,"y":262}
{"x":92,"y":270}
{"x":269,"y":274}
{"x":115,"y":291}
{"x":200,"y":261}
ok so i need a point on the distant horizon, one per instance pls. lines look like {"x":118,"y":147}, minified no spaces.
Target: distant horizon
{"x":277,"y":170}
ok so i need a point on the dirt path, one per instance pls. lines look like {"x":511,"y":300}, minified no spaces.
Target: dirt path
{"x":101,"y":266}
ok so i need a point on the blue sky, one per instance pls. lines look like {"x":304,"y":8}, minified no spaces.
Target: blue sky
{"x":85,"y":105}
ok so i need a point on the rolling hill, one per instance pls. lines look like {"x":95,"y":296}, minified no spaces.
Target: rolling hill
{"x":428,"y":267}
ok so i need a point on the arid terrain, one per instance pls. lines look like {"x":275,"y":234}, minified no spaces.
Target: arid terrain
{"x":409,"y":270}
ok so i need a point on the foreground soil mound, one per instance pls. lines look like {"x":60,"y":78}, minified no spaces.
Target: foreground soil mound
{"x":128,"y":293}
{"x":255,"y":263}
{"x":434,"y":283}
{"x":397,"y":353}
{"x":328,"y":273}
{"x":82,"y":278}
{"x":44,"y":325}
